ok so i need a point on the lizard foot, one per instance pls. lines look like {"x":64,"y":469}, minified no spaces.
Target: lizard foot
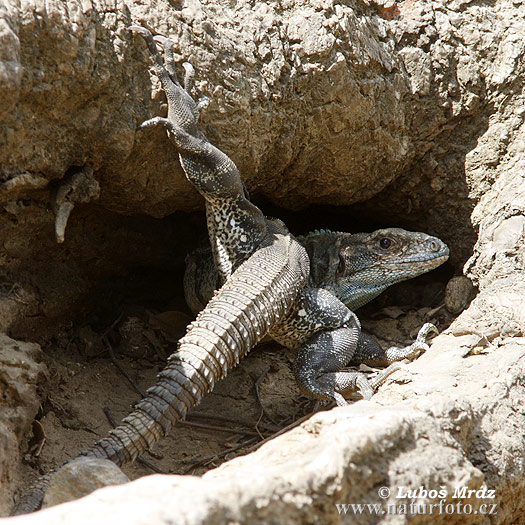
{"x":336,"y":386}
{"x":418,"y":347}
{"x":183,"y":111}
{"x":169,"y":60}
{"x":357,"y":384}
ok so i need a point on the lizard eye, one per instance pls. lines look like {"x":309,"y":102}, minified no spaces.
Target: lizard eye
{"x":385,"y":243}
{"x":341,"y":267}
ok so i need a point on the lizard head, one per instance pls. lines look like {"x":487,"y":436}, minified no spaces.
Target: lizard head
{"x":358,"y":267}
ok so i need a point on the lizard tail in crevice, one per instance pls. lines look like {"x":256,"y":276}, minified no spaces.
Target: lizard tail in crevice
{"x":253,"y":300}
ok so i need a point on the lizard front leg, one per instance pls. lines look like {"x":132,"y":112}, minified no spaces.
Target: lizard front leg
{"x":327,"y":334}
{"x":329,"y":338}
{"x":370,"y":353}
{"x":319,"y":366}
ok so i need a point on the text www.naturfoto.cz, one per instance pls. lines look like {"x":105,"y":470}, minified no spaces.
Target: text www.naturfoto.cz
{"x":415,"y":508}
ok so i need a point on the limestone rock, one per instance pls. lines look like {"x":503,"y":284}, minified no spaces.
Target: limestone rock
{"x":436,"y":433}
{"x":289,"y":88}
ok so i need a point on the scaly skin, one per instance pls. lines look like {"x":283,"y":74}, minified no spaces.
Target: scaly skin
{"x":266,"y":289}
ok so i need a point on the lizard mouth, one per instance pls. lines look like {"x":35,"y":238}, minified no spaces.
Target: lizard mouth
{"x":423,"y":263}
{"x":434,"y":260}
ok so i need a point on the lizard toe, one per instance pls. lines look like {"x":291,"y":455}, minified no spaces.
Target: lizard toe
{"x":140,"y":30}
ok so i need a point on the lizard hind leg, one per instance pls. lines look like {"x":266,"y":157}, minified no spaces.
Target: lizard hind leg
{"x":169,"y":59}
{"x":182,"y":109}
{"x":168,"y":83}
{"x":189,"y":73}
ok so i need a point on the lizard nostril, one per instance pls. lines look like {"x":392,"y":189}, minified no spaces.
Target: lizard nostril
{"x":434,"y":246}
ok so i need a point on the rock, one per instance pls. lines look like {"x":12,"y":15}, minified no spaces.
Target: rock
{"x":285,"y":84}
{"x":80,"y":478}
{"x":458,"y":294}
{"x":20,"y":374}
{"x":434,"y":434}
{"x":419,"y":66}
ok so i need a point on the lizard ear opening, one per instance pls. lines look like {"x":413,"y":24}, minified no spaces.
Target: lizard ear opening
{"x":341,"y":267}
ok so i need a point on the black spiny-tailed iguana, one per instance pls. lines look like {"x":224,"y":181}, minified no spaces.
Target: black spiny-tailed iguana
{"x":270,"y":287}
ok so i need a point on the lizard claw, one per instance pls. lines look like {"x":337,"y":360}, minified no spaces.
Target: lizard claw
{"x":162,"y":40}
{"x":387,"y":372}
{"x":141,"y":31}
{"x":425,"y":331}
{"x":420,"y":345}
{"x":416,"y":349}
{"x":340,"y":400}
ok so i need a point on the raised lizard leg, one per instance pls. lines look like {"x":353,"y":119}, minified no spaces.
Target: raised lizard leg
{"x":189,"y":76}
{"x":236,"y":227}
{"x":166,"y":75}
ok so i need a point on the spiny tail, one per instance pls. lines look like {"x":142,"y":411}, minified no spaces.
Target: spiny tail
{"x":253,"y":300}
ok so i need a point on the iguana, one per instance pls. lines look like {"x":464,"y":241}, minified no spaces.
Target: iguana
{"x":268,"y":288}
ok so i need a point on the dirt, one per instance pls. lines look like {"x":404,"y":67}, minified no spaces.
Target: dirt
{"x":80,"y":388}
